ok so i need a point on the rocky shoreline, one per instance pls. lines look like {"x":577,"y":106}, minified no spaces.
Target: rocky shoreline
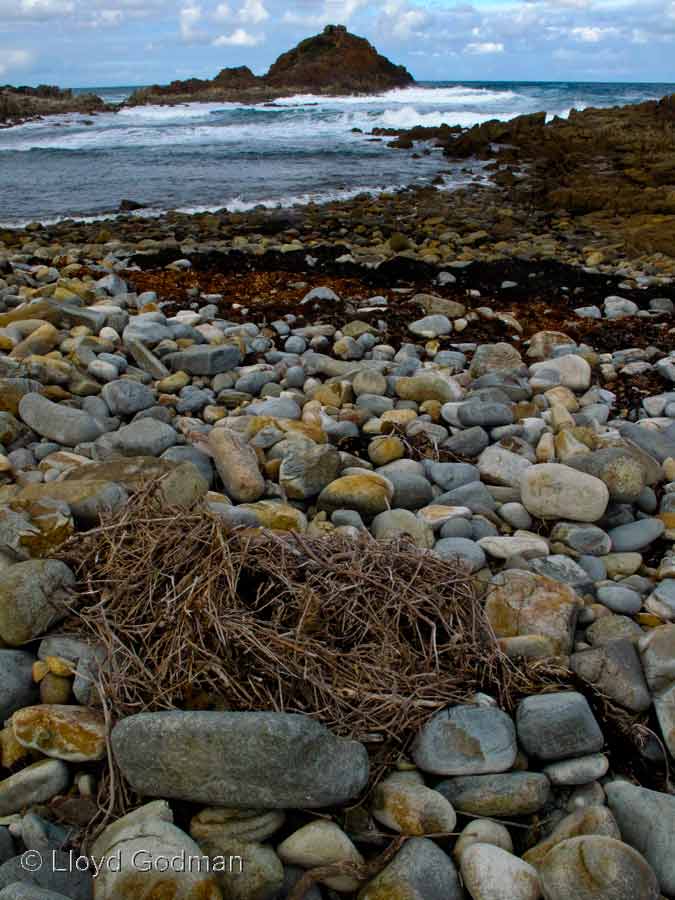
{"x":24,"y":104}
{"x":219,"y":427}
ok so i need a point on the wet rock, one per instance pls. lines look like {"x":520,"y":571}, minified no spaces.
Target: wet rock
{"x":595,"y":867}
{"x":237,"y":465}
{"x":508,"y":794}
{"x":32,"y":596}
{"x":553,"y":491}
{"x":63,"y":424}
{"x":224,"y":758}
{"x":37,"y":783}
{"x":466,"y":740}
{"x":558,"y":726}
{"x":522,"y":603}
{"x":419,"y":870}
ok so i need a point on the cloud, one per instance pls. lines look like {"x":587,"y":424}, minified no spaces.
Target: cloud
{"x":14,"y":59}
{"x":253,"y":11}
{"x":238,"y":38}
{"x":36,"y":9}
{"x":592,"y":35}
{"x":484,"y":48}
{"x":188,"y":19}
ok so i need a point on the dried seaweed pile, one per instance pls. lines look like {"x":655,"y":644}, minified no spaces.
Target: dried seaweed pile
{"x":370,"y":638}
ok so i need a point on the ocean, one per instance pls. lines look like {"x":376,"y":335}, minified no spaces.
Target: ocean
{"x":199,"y":157}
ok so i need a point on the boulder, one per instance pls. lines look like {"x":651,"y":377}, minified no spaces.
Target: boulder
{"x":32,"y":596}
{"x":557,"y":726}
{"x":239,"y":759}
{"x":63,"y":424}
{"x":554,"y":491}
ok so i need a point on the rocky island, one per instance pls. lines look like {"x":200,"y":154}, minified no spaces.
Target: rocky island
{"x":334,"y":62}
{"x":19,"y":104}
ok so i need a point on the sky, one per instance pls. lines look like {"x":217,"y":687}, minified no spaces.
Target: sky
{"x":77,"y":43}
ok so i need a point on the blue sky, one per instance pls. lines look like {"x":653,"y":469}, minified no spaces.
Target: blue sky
{"x":117,"y":42}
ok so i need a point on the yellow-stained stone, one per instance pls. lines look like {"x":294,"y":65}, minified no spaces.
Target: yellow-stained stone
{"x":172,"y":384}
{"x":384,"y":450}
{"x":368,"y":493}
{"x":40,"y":669}
{"x":11,"y":750}
{"x":277,"y":516}
{"x":59,"y":666}
{"x":622,"y":565}
{"x":6,"y":344}
{"x":649,"y":620}
{"x":70,"y":733}
{"x":432,"y":408}
{"x":336,"y":394}
{"x":562,"y":396}
{"x":401,"y":417}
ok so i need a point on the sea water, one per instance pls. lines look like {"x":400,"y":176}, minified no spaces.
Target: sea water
{"x":300,"y":149}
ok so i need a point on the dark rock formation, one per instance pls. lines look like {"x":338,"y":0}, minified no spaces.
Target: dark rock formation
{"x":333,"y":62}
{"x":337,"y":61}
{"x":18,"y":104}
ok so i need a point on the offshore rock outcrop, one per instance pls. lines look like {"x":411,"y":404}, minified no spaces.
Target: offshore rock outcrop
{"x":18,"y":104}
{"x":332,"y":62}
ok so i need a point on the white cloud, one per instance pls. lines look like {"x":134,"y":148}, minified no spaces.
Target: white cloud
{"x":36,"y":9}
{"x":253,"y":11}
{"x":484,"y":48}
{"x":591,"y":34}
{"x":188,"y":18}
{"x":14,"y":59}
{"x":238,"y":38}
{"x":223,"y":13}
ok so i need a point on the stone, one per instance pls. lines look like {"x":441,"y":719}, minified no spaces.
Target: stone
{"x":412,"y":809}
{"x":646,"y":820}
{"x":657,"y":650}
{"x":490,"y":873}
{"x":635,"y":536}
{"x":28,"y":891}
{"x":494,"y":358}
{"x":32,"y":598}
{"x":522,"y":603}
{"x":322,"y":843}
{"x":276,"y":515}
{"x":587,"y":820}
{"x":571,"y":371}
{"x":486,"y":415}
{"x":16,"y":677}
{"x":506,"y":794}
{"x":554,"y":491}
{"x":63,"y":424}
{"x":54,"y":877}
{"x":419,"y":871}
{"x":367,"y":493}
{"x":588,"y":540}
{"x":427,"y":386}
{"x":126,"y":397}
{"x":581,"y":770}
{"x":619,"y":599}
{"x":620,"y":470}
{"x":139,"y":842}
{"x":502,"y":467}
{"x":144,"y":437}
{"x":431,"y":326}
{"x":37,"y":783}
{"x":70,"y":733}
{"x":87,"y":500}
{"x":306,"y":471}
{"x":482,"y":831}
{"x":523,"y":544}
{"x":595,"y":867}
{"x":13,"y":390}
{"x":557,"y":726}
{"x":563,"y":569}
{"x":214,"y":828}
{"x":225,"y":758}
{"x":393,"y":523}
{"x":466,"y":740}
{"x":614,"y":669}
{"x":449,"y":476}
{"x":237,"y":465}
{"x":461,"y":551}
{"x":204,"y":360}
